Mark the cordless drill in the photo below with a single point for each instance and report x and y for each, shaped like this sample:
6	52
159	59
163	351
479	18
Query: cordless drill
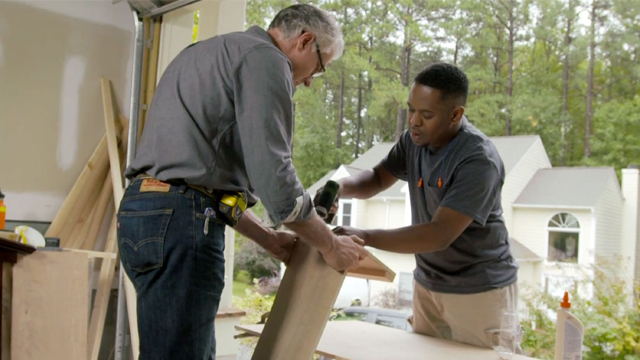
326	200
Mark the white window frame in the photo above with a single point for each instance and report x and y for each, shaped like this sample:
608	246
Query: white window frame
340	213
564	227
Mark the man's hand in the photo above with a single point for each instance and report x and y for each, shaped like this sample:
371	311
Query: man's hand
349	231
281	245
345	252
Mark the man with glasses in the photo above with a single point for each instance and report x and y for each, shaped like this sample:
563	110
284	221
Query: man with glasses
221	123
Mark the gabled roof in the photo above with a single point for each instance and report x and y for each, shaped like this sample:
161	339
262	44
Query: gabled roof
566	186
373	156
513	148
521	252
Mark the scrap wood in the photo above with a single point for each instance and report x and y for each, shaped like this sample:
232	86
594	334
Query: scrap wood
118	192
101	301
89	179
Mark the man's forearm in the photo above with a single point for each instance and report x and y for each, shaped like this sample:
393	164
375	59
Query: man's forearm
361	186
251	227
314	231
412	239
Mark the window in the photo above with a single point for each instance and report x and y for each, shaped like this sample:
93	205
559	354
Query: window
564	238
345	214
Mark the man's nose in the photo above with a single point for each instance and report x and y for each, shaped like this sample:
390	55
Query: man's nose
308	81
414	119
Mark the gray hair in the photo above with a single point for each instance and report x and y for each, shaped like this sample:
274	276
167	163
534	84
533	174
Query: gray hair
299	18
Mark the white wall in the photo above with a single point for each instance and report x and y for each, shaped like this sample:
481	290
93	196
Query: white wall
530	227
533	160
52	55
530	275
381	213
609	220
631	220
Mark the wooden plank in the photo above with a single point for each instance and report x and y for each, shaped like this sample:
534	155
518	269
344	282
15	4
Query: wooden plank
89	236
86	183
50	306
94	254
372	268
302	306
101	301
152	70
112	141
358	340
144	71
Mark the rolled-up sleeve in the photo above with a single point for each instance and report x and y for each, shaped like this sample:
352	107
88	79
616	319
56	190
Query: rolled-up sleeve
264	113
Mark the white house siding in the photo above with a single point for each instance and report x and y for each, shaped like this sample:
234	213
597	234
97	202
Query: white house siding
531	229
530	275
400	263
381	214
517	179
609	220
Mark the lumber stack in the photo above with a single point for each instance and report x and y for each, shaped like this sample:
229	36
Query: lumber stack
91	206
86	221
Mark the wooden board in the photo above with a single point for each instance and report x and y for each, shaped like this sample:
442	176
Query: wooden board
308	290
50	306
101	302
357	340
88	181
373	269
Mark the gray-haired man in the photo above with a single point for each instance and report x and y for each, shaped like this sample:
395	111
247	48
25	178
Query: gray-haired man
220	124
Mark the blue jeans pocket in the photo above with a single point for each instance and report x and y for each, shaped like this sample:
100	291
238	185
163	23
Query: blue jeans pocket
141	238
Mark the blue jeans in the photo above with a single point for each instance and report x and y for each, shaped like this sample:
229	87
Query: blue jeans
177	270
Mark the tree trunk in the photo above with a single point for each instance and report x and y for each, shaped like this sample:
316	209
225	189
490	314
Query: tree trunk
512	29
359	115
592	55
565	83
340	112
405	74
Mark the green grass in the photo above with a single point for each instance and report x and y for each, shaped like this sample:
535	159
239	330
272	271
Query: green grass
241	283
239	288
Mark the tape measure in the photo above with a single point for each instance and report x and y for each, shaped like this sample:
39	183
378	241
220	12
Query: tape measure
231	208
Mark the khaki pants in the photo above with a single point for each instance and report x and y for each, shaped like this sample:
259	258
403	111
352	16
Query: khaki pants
474	319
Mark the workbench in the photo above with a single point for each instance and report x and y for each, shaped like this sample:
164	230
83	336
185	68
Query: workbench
357	340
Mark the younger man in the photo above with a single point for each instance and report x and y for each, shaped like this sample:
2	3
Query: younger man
465	277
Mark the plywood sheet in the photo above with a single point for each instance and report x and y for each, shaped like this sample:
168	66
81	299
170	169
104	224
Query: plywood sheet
357	340
302	306
50	306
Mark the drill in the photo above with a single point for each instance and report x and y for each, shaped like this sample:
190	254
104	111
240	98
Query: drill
326	200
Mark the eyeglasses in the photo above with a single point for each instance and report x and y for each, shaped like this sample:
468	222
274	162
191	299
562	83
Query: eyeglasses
322	69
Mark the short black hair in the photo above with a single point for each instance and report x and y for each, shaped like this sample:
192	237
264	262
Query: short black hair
448	78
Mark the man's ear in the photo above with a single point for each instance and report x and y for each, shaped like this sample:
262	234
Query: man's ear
305	40
456	114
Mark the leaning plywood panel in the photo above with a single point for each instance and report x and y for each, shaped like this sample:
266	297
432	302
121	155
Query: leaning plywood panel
301	309
50	306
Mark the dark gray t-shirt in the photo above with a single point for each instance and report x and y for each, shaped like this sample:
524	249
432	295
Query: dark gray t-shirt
472	176
222	118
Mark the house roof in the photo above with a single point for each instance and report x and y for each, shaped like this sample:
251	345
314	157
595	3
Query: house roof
373	156
513	148
313	188
566	186
521	252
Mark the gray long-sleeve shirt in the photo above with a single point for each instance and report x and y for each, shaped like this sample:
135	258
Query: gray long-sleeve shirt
222	118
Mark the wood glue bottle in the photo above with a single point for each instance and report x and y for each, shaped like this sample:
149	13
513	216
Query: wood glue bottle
569	333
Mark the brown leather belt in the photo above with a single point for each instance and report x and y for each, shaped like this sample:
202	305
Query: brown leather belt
212	193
